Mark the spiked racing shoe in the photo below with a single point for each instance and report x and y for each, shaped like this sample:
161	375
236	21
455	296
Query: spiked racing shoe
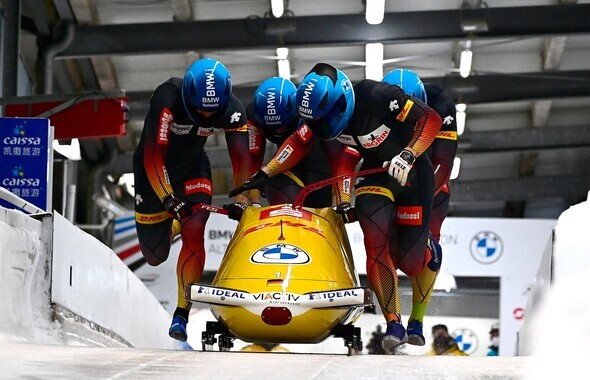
394	336
178	328
415	335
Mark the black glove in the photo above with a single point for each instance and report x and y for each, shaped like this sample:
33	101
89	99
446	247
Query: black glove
178	208
235	210
347	212
257	181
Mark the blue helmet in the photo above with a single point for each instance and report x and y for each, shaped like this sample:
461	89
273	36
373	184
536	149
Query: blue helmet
325	101
408	81
274	107
206	86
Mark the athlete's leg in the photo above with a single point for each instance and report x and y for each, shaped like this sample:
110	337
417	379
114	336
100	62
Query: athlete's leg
375	209
283	188
315	167
414	205
440	209
422	287
191	259
191	180
151	219
154	235
417	254
423	284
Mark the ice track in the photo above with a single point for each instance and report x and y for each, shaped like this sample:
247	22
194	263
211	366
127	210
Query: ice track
34	361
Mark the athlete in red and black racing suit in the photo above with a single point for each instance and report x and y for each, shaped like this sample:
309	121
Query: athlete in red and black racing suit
272	116
442	154
394	219
172	172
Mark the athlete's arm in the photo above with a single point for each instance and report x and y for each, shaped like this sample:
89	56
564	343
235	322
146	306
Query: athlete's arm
442	157
256	144
246	159
344	166
156	137
290	152
444	148
427	123
391	102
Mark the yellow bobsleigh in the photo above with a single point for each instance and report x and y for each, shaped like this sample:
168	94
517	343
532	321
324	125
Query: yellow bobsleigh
287	277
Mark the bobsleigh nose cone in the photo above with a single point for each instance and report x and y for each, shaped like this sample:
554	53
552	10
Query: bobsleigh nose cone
276	316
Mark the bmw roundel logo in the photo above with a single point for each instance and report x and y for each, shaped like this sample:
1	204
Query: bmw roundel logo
486	247
280	254
345	85
466	340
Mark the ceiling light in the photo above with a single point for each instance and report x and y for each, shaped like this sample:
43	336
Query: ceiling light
375	11
283	64
374	61
277	7
71	151
461	116
474	26
282	53
445	281
456	168
284	68
465	63
127	180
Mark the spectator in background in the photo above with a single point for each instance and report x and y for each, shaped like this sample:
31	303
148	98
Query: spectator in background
494	339
374	345
443	343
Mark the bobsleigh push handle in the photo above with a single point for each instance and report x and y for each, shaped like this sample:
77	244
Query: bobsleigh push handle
298	203
210	208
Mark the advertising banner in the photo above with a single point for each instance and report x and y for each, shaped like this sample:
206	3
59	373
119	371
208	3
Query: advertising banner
26	160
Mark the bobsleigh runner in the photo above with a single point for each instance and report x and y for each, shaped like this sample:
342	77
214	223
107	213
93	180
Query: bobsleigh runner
287	276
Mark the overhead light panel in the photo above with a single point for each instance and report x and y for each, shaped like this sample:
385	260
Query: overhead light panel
71	151
127	180
456	168
474	26
283	64
461	116
375	11
277	7
465	63
374	61
445	281
282	53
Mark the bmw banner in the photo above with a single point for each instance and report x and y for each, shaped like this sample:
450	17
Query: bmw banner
26	160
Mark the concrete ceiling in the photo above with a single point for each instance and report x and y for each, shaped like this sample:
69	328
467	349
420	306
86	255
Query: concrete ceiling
526	148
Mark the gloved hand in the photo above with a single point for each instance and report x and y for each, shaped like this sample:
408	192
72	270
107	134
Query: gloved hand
400	166
347	212
257	181
177	208
235	210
